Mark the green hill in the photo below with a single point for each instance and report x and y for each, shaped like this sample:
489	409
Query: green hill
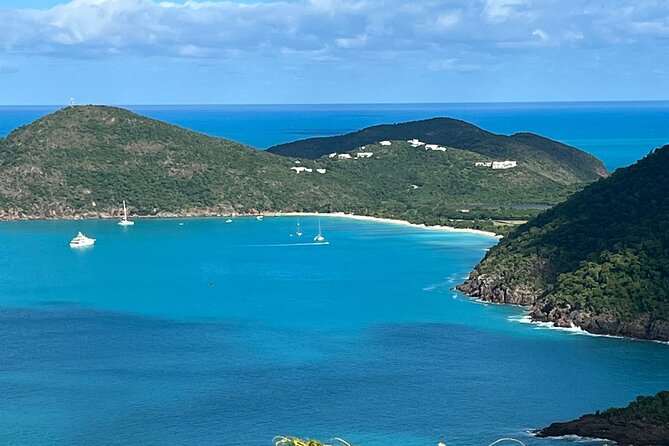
548	158
83	161
644	422
600	260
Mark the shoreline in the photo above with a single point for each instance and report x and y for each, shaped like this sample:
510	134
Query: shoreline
526	319
485	288
195	214
389	221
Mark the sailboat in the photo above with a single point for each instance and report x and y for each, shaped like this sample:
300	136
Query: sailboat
298	232
319	237
124	221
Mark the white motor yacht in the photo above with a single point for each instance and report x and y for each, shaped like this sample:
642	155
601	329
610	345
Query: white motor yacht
81	241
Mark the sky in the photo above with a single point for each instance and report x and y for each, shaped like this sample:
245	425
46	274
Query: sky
332	51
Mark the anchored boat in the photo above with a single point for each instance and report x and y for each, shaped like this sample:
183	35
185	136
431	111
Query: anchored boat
81	241
124	220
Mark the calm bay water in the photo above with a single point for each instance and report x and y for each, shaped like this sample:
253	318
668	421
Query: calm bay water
619	133
228	334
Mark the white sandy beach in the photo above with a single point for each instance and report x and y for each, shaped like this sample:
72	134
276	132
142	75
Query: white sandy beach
388	220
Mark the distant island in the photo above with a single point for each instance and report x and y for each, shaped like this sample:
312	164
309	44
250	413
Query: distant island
599	261
548	158
83	161
645	422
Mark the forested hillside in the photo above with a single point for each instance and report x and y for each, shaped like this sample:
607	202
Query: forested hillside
600	260
83	161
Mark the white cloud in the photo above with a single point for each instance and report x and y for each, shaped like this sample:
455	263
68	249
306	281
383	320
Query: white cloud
541	34
352	42
327	28
448	20
451	65
501	10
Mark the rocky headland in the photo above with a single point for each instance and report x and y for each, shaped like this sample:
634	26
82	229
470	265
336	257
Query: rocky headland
645	422
598	261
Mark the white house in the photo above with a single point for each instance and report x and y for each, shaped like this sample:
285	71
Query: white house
344	156
483	164
332	155
435	147
364	154
415	143
385	143
301	169
504	164
321	170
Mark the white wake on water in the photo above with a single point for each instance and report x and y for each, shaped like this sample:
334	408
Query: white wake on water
283	245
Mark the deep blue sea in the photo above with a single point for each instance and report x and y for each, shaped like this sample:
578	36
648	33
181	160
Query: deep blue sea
197	332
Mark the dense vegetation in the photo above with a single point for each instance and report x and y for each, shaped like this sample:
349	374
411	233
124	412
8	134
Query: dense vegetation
84	160
603	252
643	422
647	408
547	158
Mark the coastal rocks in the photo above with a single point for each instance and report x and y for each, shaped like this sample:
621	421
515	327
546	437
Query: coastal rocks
605	324
620	429
490	289
641	328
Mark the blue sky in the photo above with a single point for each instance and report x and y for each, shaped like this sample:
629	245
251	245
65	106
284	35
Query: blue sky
332	51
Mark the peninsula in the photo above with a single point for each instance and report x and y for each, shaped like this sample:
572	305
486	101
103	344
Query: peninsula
599	261
645	422
83	161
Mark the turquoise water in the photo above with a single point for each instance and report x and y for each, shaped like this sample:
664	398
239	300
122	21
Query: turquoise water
619	133
210	333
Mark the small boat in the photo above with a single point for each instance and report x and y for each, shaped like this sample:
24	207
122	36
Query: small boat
229	220
259	217
298	232
319	237
81	241
124	220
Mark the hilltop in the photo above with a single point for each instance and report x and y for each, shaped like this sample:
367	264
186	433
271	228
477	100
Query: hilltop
82	161
599	261
548	158
644	422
